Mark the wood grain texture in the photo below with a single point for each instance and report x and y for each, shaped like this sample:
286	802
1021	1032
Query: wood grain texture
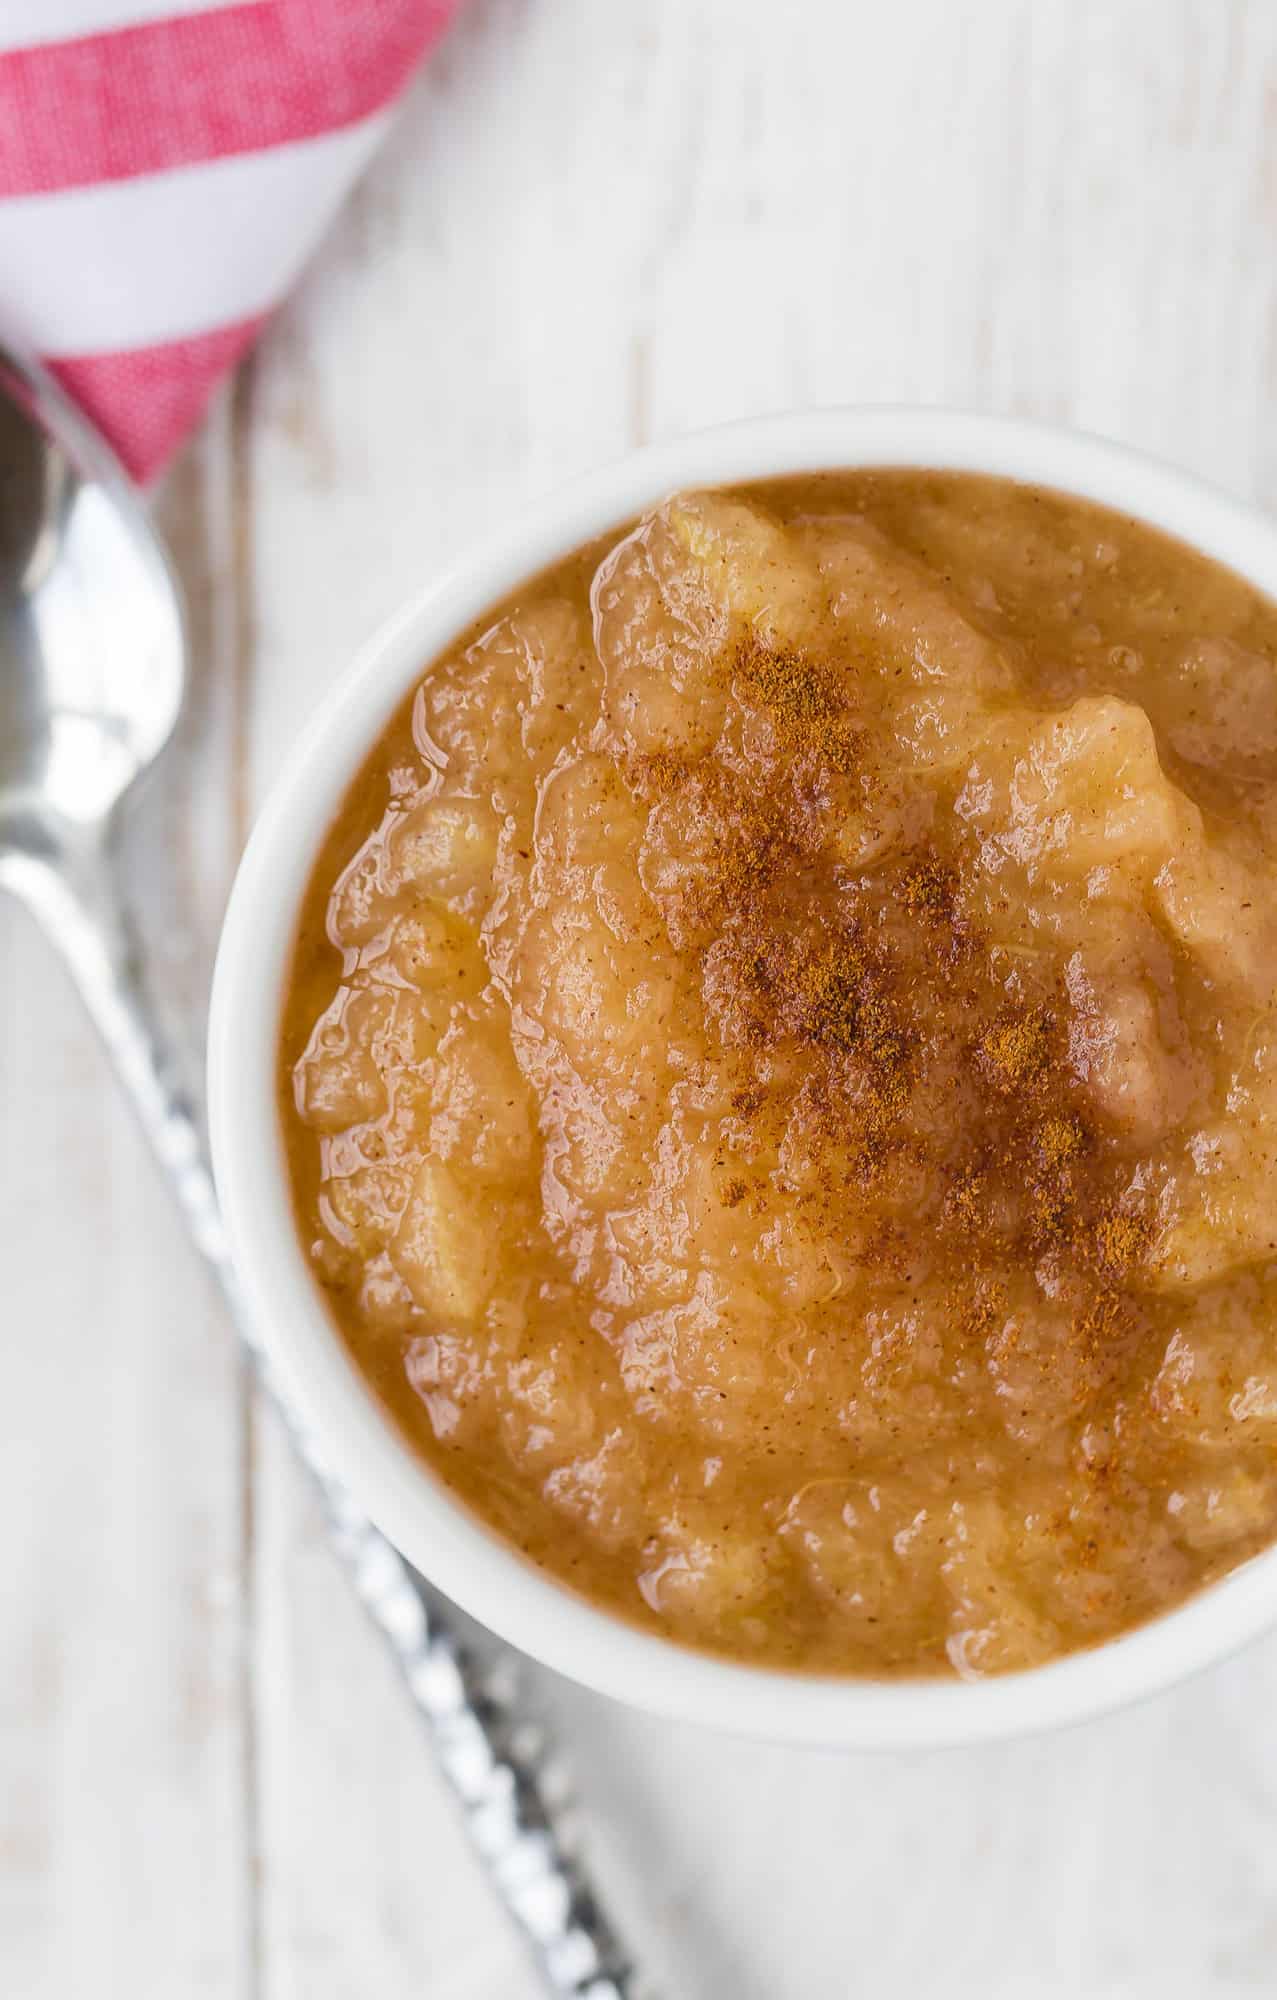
595	224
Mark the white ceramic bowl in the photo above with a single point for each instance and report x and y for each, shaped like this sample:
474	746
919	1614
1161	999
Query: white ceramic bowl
480	1572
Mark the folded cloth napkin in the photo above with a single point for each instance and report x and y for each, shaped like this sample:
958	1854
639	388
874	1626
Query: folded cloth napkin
166	167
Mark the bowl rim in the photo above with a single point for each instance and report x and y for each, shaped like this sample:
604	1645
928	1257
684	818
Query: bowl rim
468	1561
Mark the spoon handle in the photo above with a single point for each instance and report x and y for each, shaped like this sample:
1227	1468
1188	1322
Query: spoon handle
496	1760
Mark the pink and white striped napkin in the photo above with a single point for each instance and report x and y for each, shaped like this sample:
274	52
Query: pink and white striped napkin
166	167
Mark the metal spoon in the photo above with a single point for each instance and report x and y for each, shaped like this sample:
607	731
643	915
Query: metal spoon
92	668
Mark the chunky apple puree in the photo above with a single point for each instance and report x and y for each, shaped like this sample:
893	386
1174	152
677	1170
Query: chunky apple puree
780	1072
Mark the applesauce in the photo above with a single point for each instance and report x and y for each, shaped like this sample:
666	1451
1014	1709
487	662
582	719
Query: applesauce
779	1072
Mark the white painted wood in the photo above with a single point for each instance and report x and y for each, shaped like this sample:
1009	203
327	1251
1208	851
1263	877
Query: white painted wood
598	223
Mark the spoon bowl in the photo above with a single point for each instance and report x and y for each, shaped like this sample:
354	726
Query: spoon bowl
92	650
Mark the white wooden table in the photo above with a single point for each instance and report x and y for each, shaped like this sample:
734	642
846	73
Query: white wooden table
597	223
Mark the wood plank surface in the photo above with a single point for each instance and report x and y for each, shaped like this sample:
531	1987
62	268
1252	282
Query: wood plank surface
594	224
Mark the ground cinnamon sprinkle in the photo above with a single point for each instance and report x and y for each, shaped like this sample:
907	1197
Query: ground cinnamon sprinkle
979	1309
964	1198
655	772
1100	1323
826	1002
752	845
1015	1051
794	961
1119	1239
805	699
929	890
1058	1140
